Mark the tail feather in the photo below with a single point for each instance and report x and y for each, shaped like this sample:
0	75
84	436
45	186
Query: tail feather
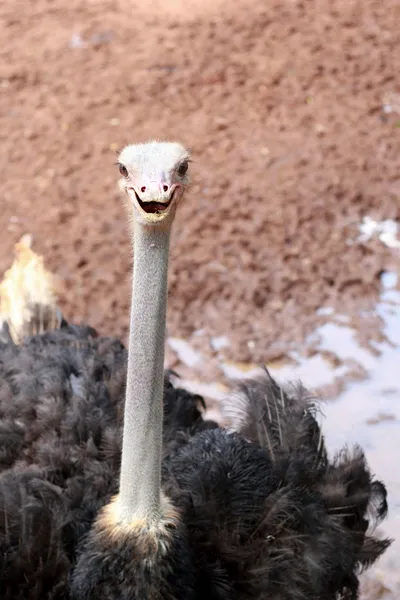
351	495
281	420
27	296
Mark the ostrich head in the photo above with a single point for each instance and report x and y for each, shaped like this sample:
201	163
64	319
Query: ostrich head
154	177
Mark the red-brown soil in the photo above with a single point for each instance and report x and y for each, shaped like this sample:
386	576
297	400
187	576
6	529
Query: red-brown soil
283	106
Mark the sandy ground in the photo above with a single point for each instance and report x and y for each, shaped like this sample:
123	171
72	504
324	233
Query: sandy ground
292	111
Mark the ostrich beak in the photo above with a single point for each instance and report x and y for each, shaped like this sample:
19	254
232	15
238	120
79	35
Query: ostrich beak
155	200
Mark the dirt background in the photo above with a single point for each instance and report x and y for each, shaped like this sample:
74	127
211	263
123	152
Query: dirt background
283	104
292	111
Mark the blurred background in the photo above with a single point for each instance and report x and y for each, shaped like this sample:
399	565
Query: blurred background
287	250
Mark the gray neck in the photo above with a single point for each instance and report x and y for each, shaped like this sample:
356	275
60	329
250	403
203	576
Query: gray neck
140	481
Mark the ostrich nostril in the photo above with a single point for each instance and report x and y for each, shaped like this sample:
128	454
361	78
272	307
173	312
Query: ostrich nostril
143	188
165	188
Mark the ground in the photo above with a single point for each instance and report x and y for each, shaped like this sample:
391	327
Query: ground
292	111
282	103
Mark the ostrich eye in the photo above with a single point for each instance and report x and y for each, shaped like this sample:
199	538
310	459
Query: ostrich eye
123	170
182	169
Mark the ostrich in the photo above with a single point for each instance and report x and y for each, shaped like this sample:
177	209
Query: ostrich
179	508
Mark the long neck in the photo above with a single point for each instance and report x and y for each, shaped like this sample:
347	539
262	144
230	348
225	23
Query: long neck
140	480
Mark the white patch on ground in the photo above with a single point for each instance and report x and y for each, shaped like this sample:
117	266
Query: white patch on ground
219	342
386	231
184	352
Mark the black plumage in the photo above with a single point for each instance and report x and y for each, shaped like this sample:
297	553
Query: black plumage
61	411
258	512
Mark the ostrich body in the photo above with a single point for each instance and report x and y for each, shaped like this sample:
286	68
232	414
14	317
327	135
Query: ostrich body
180	508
